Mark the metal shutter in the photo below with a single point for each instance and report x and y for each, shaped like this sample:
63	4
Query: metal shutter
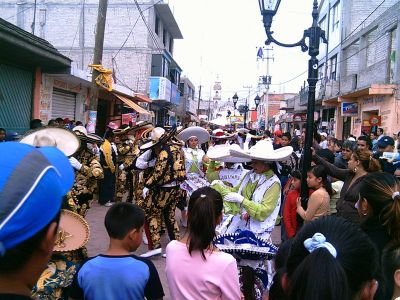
63	104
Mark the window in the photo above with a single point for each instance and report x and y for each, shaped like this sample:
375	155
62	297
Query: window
332	67
335	16
171	45
321	70
392	54
322	23
164	37
157	26
181	89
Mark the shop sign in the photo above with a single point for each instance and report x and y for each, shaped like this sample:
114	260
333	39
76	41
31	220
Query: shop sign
129	119
299	117
236	119
91	126
349	109
160	88
375	121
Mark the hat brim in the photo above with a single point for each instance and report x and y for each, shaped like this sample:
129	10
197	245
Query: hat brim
221	137
222	153
264	154
199	132
73	232
66	141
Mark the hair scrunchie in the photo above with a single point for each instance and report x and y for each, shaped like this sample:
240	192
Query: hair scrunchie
395	194
319	241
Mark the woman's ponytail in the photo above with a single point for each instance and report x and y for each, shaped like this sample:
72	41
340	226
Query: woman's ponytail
205	206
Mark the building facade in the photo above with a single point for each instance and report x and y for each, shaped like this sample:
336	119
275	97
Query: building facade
138	43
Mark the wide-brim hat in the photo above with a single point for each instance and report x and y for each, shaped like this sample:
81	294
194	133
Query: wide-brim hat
245	245
86	137
222	135
157	136
64	139
129	130
264	151
222	153
73	232
194	131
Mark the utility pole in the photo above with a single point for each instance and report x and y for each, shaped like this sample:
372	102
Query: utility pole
34	18
246	107
266	81
97	59
198	103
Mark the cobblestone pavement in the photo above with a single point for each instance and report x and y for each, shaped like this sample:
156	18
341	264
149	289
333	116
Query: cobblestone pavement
98	242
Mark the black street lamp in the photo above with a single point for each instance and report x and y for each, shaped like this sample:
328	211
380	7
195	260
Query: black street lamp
314	34
245	108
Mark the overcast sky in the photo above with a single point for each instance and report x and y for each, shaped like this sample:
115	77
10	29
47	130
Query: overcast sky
221	38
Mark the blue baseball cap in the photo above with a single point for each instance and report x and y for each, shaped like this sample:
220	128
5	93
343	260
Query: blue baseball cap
385	141
33	182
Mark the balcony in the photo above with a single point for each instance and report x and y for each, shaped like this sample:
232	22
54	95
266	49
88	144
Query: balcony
163	91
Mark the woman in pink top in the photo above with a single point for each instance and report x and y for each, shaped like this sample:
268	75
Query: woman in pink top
318	203
195	268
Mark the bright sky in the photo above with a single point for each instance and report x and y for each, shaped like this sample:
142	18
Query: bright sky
221	38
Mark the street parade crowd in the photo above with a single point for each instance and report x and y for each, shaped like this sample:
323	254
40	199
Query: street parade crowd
231	189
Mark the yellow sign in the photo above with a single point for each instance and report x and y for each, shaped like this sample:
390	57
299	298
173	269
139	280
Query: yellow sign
105	78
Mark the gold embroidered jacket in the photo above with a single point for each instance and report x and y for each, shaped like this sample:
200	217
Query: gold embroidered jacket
169	167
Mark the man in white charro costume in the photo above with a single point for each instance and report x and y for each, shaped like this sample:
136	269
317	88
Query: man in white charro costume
255	202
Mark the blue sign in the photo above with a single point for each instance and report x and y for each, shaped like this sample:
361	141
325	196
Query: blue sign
349	109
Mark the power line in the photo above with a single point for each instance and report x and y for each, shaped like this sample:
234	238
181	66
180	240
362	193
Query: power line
20	12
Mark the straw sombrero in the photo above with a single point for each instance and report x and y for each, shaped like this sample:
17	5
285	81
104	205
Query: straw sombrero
222	153
264	151
73	232
129	130
154	138
194	131
84	136
64	139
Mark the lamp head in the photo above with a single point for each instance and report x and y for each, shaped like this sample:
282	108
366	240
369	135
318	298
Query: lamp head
257	100
235	99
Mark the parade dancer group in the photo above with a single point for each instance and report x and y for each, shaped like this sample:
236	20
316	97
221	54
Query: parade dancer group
229	188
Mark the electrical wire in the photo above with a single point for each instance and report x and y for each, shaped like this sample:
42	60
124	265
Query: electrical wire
20	12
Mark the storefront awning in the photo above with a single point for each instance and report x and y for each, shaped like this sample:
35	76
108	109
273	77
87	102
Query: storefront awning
132	105
142	98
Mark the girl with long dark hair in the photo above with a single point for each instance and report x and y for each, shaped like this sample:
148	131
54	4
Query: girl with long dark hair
195	268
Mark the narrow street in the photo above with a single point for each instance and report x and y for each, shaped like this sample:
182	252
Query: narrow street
99	241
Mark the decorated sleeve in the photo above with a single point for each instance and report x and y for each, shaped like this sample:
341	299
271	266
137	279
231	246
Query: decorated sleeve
160	169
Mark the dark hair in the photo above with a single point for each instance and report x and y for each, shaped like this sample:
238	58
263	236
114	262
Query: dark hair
352	146
205	206
109	134
380	129
326	154
35	123
276	291
288	135
390	263
296	174
320	171
367	140
319	275
335	141
369	163
3	130
52	122
16	258
378	189
78	123
123	217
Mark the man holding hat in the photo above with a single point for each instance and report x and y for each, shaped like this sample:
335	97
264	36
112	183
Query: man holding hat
29	213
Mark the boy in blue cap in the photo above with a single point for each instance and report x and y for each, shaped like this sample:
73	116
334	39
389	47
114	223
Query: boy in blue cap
33	182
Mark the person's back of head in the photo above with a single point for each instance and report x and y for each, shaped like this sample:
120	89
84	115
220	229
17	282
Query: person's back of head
331	258
391	269
35	123
125	220
32	186
204	214
368	163
380	195
52	123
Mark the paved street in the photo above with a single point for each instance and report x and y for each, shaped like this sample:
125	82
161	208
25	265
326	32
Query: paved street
99	241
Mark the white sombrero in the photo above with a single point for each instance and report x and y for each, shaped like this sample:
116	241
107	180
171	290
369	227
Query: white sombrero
194	131
264	151
64	139
155	136
222	153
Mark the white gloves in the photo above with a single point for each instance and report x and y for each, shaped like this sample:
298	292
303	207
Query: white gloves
234	197
248	138
219	182
121	167
75	163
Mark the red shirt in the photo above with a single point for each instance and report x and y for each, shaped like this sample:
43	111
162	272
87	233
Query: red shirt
290	213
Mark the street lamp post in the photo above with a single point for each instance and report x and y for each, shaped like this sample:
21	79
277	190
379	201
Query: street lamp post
314	34
245	109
